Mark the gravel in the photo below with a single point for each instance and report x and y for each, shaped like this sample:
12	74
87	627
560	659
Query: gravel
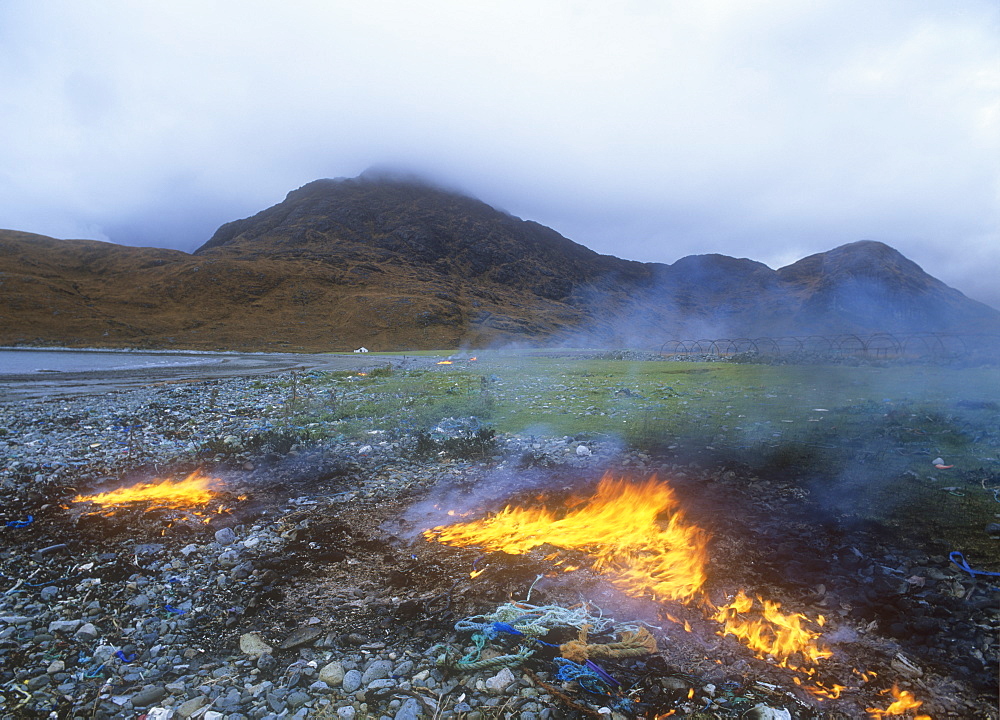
115	632
161	626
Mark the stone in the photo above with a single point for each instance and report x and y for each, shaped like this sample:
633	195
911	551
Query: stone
17	620
378	670
379	685
64	626
242	571
409	710
140	601
57	666
275	703
86	632
38	682
253	645
332	674
497	684
674	684
993	529
301	636
346	713
103	653
583	451
148	695
187	708
225	536
266	663
49	592
352	681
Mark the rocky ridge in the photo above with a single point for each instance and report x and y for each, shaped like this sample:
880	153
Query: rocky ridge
397	264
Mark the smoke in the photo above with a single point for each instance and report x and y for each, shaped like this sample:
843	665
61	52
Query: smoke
453	499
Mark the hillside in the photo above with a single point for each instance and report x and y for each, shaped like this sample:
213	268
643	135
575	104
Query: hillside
394	264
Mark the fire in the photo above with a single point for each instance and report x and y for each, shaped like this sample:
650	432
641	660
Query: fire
774	633
634	531
903	701
195	489
820	691
446	362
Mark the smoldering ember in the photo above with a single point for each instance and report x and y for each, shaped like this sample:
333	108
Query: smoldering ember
506	534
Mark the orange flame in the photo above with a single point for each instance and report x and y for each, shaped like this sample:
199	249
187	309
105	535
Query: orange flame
634	531
903	701
774	633
195	489
446	362
820	691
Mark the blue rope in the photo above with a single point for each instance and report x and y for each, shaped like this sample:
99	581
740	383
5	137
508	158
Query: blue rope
965	566
582	675
498	627
961	563
21	523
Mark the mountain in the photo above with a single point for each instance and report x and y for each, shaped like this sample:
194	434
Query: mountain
395	263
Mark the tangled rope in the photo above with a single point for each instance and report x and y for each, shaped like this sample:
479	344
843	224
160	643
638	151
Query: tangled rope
529	623
534	620
632	644
583	675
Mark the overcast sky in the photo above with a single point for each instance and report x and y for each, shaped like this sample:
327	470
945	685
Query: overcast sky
768	129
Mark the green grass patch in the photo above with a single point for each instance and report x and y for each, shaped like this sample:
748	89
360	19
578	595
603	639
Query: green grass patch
860	439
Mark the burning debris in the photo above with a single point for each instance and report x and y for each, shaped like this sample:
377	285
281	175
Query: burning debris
774	634
196	490
159	507
636	534
903	702
619	528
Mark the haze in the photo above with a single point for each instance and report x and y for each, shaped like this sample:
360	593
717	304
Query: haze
647	130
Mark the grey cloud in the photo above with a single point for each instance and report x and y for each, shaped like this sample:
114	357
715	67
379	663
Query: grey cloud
652	130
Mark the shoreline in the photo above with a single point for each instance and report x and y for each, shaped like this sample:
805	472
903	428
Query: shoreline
31	386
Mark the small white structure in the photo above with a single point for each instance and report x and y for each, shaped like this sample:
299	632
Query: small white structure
361	349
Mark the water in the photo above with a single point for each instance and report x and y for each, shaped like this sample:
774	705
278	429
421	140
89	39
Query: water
45	362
